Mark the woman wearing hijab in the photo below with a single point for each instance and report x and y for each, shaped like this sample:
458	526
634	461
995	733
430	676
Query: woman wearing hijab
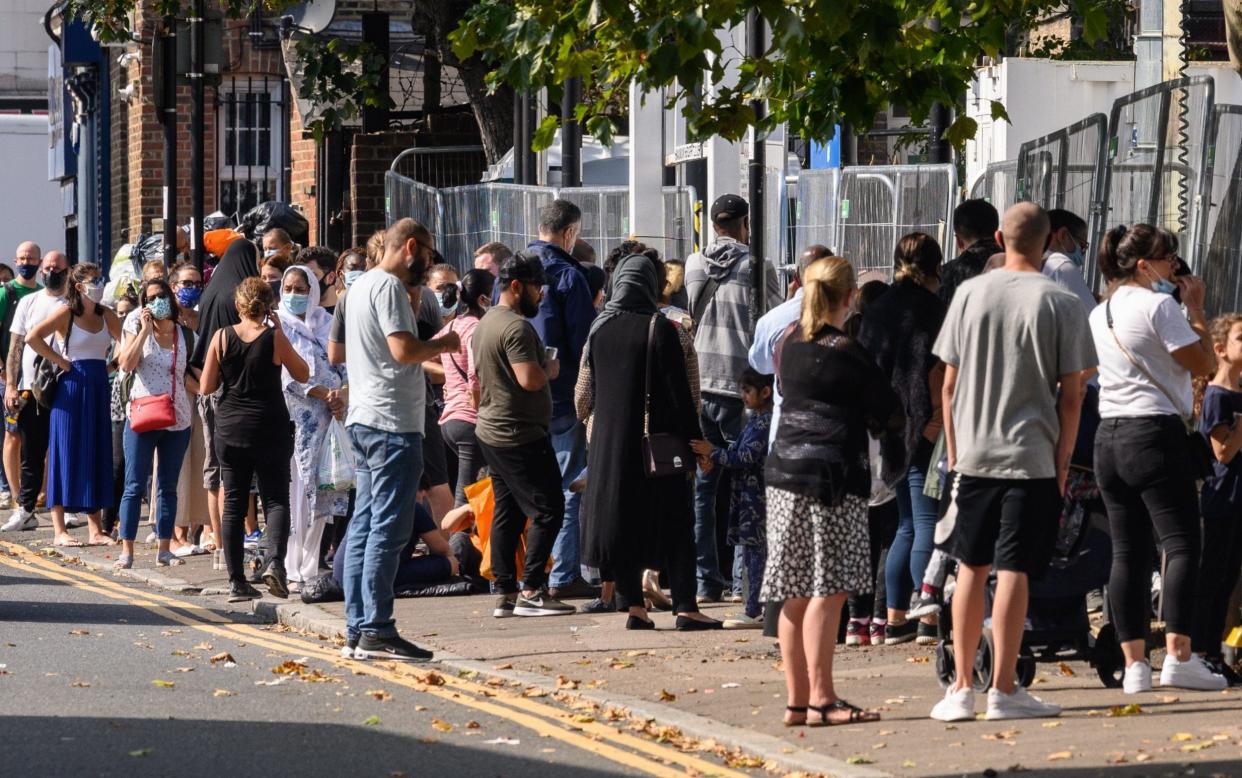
218	310
633	522
312	405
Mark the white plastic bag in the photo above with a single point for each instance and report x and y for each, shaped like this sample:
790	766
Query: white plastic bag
336	465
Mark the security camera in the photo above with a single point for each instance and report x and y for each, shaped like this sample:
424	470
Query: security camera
126	92
127	58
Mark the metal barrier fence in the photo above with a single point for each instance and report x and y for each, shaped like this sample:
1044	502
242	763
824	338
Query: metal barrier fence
998	184
465	217
816	209
1157	142
879	204
1220	224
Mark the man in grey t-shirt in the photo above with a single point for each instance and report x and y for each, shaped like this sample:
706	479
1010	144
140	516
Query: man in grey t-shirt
385	423
1009	339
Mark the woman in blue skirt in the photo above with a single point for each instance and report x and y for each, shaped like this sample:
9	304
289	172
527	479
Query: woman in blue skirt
79	454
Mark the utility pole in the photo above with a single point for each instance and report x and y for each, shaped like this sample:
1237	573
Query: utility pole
571	134
169	120
520	143
755	45
197	130
938	149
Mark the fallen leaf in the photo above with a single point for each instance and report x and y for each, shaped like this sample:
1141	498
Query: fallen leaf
1189	747
170	632
420	708
1067	671
584	719
442	726
273	682
430	678
79	632
858	760
183	670
503	741
223	656
531	691
223	693
730	685
565	683
1142	758
472	724
621	664
80	685
379	694
370	721
1182	737
142	752
1050	724
583	662
505	666
919	660
1057	756
638	653
1169	700
1132	709
203	647
163	684
909	764
469	675
667	696
181	652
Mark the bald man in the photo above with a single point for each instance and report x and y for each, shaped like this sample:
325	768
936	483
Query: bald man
809	254
1009	338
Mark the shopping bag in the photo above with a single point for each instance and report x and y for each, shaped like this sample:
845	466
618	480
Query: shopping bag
483	504
336	464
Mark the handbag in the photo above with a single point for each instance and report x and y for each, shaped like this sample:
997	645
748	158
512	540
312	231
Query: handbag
47	375
1199	451
157	411
664	453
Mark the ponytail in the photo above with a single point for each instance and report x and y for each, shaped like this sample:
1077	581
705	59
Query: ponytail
827	285
1124	246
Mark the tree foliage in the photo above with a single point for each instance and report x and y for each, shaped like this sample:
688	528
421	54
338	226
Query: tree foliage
827	61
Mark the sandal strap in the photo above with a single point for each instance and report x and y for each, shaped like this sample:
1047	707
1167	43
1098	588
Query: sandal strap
796	708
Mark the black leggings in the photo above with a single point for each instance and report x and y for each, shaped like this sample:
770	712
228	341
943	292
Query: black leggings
238	467
1218	575
882	528
460	439
1142	467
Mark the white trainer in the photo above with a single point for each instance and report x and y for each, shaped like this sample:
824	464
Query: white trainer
19	520
75	521
1191	674
957	705
1019	705
1137	678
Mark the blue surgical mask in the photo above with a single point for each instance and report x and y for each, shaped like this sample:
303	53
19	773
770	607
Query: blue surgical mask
295	304
350	276
160	308
1076	256
1162	286
188	298
270	253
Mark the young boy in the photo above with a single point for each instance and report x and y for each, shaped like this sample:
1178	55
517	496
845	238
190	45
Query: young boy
747	505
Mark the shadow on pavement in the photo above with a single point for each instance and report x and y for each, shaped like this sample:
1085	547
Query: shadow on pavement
69	745
1220	767
79	613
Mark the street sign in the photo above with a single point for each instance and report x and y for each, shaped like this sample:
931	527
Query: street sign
686	152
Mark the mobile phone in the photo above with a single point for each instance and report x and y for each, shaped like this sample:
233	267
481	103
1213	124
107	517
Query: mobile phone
550	353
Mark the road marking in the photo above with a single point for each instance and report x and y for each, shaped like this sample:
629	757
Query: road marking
497	701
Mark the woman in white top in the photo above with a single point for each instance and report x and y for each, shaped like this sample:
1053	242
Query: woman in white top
79	455
1148	354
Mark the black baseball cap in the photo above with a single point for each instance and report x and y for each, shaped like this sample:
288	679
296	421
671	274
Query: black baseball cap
729	207
524	266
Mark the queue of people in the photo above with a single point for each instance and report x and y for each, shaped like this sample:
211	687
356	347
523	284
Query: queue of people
875	439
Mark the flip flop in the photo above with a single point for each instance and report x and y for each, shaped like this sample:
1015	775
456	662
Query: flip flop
73	543
101	543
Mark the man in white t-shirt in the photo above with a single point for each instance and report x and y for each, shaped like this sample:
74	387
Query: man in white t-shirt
1066	255
32	421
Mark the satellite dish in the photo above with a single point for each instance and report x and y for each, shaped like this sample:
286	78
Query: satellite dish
312	16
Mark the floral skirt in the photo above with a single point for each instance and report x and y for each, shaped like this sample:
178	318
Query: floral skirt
815	550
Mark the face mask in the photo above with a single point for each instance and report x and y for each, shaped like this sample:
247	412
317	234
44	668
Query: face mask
295	304
448	300
189	297
275	289
54	280
160	308
323	286
351	276
93	291
27	271
270	253
1161	286
1076	256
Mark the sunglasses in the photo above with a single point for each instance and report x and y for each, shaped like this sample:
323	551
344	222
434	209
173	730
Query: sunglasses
187	284
160	296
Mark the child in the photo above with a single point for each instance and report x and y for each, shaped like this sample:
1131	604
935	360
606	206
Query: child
747	504
1220	499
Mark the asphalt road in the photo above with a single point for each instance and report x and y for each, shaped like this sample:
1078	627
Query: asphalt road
109	682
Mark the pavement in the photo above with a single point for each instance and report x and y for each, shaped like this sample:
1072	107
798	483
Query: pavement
725	691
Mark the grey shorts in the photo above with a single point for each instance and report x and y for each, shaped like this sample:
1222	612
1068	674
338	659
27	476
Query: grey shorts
211	462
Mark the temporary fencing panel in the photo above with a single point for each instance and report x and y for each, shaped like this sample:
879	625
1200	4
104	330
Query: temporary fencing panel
1220	224
881	203
998	185
1157	142
816	209
407	197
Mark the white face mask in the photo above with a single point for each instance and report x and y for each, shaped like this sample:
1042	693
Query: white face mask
93	292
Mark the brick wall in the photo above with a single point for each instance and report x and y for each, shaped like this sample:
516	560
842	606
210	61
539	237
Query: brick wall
370	157
305	169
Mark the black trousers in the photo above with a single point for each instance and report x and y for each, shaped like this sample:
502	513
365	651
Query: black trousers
678	564
238	467
112	513
1142	467
526	482
460	439
881	528
1218	575
32	422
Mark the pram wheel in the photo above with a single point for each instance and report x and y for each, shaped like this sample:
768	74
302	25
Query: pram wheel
983	662
1110	663
945	671
1026	670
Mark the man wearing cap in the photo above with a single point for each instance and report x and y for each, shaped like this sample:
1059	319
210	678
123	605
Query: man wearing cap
719	281
515	415
563	322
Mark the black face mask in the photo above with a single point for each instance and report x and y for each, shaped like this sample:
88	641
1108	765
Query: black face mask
55	279
275	289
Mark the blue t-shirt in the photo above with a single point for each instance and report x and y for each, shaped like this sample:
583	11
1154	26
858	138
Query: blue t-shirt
1222	493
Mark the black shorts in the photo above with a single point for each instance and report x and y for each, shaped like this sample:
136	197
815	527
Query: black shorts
1009	523
435	456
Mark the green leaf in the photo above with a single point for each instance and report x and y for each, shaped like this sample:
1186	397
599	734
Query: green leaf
546	132
999	112
142	752
962	130
370	721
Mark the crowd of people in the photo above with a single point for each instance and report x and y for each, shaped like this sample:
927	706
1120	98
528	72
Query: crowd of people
655	434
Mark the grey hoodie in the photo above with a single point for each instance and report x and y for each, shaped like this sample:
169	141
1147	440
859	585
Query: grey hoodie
723	336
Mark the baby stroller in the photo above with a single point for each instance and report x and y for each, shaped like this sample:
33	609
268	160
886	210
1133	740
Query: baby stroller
1058	626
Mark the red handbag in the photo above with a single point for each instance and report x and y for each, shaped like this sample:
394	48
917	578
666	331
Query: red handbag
159	411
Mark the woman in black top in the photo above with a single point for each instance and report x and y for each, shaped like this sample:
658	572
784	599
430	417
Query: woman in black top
253	434
818	483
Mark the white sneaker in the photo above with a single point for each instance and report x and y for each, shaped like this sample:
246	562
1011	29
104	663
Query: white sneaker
1191	674
742	621
20	520
1019	705
1137	678
75	521
957	705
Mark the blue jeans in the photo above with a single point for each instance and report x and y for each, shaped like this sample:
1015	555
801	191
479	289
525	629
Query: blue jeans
387	465
140	451
721	420
569	443
912	546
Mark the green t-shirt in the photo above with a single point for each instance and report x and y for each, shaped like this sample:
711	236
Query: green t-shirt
10	295
508	414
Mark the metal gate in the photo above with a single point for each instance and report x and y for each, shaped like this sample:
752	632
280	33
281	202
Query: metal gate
1220	223
879	204
998	185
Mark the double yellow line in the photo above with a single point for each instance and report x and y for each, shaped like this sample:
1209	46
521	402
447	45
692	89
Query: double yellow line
574	729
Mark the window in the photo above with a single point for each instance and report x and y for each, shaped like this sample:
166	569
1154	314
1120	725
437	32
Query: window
250	128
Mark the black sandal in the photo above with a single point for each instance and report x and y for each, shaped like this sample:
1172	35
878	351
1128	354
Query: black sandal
796	709
856	715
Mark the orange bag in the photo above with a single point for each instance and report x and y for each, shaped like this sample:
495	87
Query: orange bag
216	241
483	504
